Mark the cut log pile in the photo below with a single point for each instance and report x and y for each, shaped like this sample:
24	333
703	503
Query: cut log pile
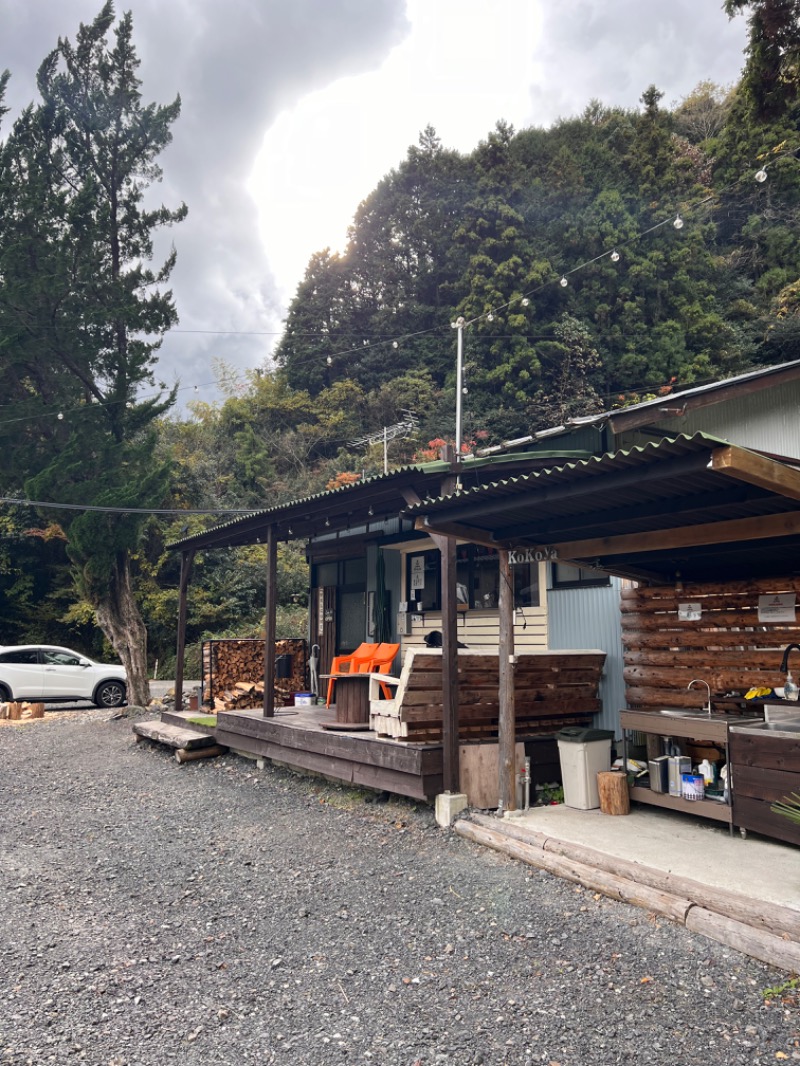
552	690
16	712
728	645
233	673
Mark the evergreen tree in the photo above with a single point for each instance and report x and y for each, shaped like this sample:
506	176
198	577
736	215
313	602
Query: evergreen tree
82	313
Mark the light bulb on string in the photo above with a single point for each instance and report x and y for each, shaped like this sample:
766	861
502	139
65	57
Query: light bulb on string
615	256
761	175
329	361
490	317
525	301
563	283
60	416
395	344
678	223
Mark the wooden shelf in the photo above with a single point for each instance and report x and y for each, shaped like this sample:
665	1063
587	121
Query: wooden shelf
713	809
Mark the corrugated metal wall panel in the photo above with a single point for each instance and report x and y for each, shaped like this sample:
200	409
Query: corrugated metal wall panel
590	618
767	421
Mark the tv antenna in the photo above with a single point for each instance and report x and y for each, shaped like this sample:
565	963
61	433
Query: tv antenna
400	430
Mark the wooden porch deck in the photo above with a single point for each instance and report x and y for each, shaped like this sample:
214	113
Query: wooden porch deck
295	737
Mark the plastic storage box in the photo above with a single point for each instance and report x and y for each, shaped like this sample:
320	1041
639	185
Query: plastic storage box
583	753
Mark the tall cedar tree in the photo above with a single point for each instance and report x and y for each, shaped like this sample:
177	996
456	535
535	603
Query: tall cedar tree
82	314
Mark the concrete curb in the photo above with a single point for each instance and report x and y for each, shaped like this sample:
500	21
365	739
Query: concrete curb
770	934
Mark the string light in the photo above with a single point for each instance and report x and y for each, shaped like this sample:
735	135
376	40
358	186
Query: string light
525	301
395	344
60	416
678	223
490	317
615	256
761	175
563	283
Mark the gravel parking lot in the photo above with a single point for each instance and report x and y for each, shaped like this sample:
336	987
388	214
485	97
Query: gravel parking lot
214	913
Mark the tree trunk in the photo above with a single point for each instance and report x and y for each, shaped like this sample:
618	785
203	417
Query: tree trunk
119	618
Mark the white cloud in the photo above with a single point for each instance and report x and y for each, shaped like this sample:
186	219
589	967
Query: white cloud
464	65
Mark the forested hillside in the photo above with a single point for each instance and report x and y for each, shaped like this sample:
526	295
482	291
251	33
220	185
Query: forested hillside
561	247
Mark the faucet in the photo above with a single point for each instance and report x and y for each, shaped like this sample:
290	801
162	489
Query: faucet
784	667
700	681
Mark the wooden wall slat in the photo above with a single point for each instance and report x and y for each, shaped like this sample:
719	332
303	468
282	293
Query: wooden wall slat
729	647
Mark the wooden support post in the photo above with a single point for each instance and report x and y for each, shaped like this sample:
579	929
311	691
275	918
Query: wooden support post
187	561
269	623
451	776
506	730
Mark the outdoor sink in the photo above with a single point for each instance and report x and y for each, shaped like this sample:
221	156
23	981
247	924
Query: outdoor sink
683	712
788	729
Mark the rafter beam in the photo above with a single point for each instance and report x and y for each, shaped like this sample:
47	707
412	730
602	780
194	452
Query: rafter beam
457	531
740	529
757	470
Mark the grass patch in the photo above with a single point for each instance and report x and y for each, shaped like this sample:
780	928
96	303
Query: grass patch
209	720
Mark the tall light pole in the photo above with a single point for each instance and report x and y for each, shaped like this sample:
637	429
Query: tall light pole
459	324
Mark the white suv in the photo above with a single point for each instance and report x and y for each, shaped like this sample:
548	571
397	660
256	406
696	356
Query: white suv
58	675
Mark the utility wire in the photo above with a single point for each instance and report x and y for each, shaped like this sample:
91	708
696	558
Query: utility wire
17	502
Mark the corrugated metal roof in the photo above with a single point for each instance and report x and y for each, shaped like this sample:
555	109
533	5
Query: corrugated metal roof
370	498
618	511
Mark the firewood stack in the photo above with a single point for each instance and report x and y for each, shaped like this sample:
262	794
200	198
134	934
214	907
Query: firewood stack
233	673
16	712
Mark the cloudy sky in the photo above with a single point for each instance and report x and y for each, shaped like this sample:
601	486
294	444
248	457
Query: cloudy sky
294	109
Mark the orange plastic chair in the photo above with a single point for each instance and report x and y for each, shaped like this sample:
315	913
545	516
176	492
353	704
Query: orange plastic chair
381	663
350	664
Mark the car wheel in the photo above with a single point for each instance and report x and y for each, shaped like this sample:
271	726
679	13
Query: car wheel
110	694
5	695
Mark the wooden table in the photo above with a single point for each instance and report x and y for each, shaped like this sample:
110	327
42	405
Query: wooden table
352	698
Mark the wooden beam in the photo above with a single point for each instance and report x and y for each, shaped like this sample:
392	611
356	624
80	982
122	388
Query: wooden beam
757	470
449	668
187	560
451	773
269	623
779	525
506	727
456	531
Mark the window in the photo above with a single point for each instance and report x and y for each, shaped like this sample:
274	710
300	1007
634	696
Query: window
574	577
59	657
424	581
28	656
477	580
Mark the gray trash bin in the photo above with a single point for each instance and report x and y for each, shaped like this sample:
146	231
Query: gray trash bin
583	754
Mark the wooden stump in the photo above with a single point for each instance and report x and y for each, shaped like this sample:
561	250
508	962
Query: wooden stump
612	787
14	711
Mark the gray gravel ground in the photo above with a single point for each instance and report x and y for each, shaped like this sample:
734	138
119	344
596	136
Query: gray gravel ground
213	913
